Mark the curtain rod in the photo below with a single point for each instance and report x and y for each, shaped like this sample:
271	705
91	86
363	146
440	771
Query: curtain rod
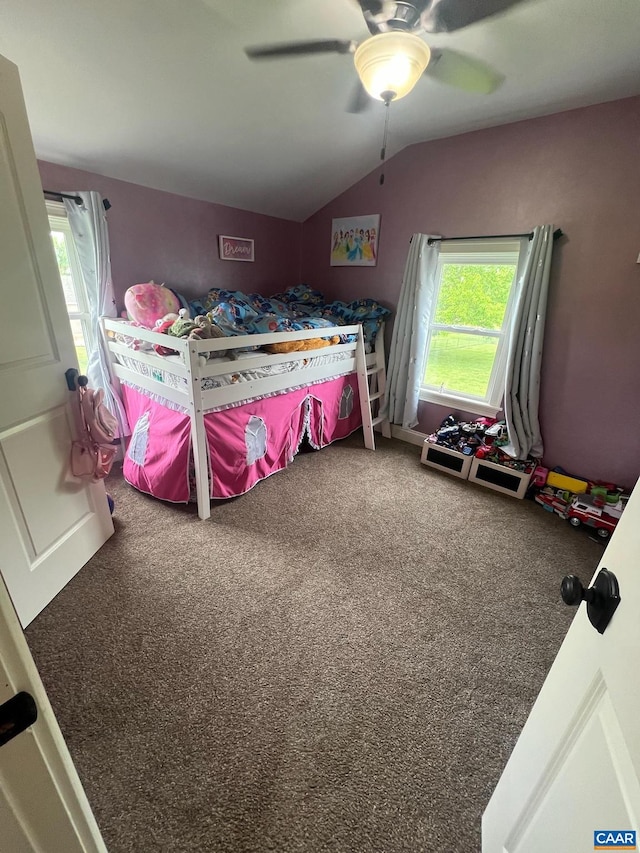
529	235
59	196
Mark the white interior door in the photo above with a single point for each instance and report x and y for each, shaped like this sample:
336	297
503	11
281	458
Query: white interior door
49	527
43	806
575	769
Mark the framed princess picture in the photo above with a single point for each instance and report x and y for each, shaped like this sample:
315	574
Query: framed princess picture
354	241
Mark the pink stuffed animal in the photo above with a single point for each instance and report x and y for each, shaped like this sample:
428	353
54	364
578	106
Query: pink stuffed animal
162	327
147	303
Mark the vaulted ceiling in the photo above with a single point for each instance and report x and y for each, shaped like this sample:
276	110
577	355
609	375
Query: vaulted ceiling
160	92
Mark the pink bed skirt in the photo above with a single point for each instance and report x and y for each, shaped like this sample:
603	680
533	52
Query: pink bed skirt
245	444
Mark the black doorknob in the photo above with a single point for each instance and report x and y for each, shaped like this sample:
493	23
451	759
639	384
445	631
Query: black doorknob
571	589
602	598
573	592
16	715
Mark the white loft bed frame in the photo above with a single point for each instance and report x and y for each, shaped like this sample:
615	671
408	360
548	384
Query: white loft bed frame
370	368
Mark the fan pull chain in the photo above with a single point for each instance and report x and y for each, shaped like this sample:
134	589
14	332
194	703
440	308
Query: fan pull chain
383	150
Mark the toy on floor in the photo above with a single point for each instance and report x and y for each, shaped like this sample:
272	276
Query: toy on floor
539	478
554	500
569	484
483	438
594	511
579	500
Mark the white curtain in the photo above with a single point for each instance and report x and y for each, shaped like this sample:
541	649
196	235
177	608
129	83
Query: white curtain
526	336
88	224
406	359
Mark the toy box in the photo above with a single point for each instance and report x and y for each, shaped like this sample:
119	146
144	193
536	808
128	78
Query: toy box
445	459
509	481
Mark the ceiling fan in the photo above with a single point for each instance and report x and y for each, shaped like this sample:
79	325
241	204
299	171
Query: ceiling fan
393	58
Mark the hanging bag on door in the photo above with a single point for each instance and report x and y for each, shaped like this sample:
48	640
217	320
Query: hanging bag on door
93	453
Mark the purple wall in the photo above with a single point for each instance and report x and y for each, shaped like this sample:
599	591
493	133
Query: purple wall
174	240
579	170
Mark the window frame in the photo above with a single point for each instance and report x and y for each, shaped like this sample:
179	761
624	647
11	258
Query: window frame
482	253
58	221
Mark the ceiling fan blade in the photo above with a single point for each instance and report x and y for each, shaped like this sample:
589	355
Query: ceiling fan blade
360	100
445	16
462	71
300	48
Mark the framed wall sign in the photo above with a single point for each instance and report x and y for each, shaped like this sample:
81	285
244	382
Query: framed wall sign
235	248
354	241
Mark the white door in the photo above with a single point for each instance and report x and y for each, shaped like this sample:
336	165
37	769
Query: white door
49	527
575	769
42	804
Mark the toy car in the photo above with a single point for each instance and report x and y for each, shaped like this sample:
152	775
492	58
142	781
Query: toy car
594	512
553	501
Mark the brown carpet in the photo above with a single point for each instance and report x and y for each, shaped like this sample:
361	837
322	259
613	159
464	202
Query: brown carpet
340	660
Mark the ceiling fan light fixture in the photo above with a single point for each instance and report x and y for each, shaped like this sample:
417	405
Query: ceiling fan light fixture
390	64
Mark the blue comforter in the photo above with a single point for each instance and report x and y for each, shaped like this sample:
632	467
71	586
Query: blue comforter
296	309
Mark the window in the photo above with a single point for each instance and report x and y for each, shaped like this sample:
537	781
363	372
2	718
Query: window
466	345
75	294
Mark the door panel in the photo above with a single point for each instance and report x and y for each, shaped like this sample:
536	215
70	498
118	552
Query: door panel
42	804
49	525
28	451
570	782
576	766
22	284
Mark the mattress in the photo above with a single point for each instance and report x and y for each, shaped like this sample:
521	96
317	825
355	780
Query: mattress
295	367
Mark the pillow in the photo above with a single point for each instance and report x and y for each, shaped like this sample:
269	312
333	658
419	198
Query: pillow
146	303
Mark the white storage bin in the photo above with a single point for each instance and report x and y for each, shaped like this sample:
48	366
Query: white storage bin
444	459
499	477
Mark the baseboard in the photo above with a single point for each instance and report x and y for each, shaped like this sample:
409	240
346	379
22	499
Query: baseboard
411	436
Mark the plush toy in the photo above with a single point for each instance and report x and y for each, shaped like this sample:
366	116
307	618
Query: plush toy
182	328
302	346
216	331
199	329
206	330
162	327
147	303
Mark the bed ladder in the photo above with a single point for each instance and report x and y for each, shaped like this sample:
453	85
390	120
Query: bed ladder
372	383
